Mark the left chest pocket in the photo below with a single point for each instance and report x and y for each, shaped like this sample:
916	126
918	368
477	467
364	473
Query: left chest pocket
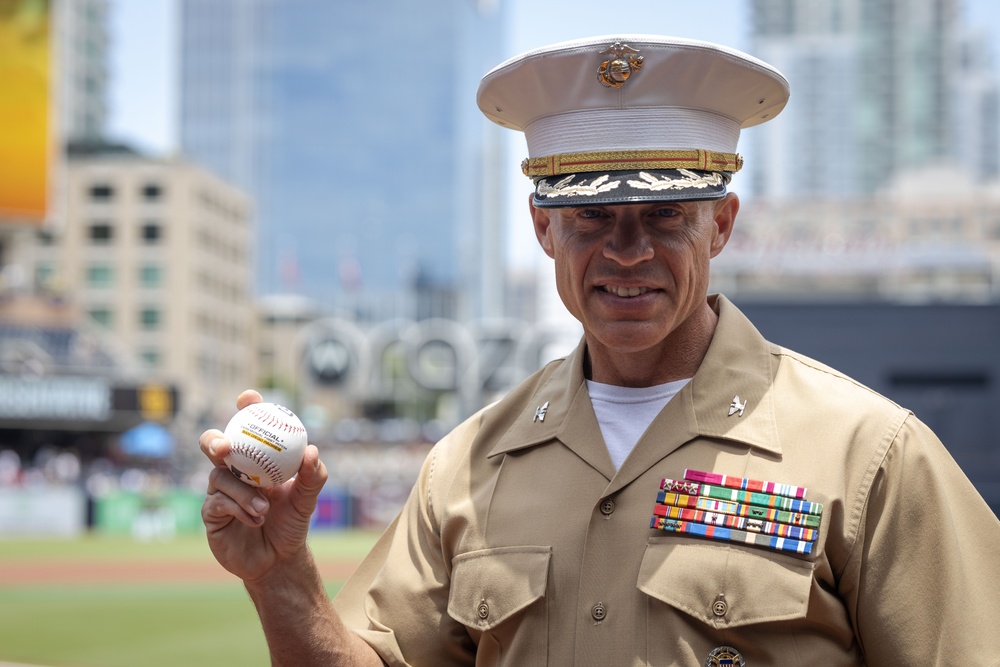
499	595
723	586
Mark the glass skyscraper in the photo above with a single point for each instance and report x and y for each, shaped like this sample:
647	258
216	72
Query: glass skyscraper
879	87
355	128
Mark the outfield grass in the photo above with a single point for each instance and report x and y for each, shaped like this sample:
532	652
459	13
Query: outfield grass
129	624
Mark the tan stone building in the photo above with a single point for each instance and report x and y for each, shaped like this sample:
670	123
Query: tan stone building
157	254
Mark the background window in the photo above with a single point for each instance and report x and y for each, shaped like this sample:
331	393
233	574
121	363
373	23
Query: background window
100	275
152	357
102	316
102	192
152	192
150	318
152	233
150	275
45	274
101	233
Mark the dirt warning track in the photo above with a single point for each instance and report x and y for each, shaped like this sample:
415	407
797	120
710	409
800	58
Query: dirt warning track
33	572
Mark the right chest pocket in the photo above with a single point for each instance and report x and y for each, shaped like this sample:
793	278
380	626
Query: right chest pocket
766	605
499	596
754	589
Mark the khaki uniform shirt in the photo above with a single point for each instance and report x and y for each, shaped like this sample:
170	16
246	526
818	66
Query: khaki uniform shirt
521	545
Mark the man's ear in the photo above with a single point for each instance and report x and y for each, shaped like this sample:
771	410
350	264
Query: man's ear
542	219
725	219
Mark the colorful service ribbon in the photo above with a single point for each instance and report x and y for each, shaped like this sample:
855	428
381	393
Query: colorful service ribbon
744	484
732	535
746	497
759	513
734	521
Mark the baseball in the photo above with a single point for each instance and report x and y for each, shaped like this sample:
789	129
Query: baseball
267	443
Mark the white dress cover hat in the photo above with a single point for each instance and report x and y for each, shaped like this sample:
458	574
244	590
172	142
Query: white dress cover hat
631	118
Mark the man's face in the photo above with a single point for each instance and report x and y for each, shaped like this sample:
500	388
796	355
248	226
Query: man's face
633	274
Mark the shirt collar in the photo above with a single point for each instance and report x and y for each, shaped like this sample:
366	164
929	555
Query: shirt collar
728	398
731	392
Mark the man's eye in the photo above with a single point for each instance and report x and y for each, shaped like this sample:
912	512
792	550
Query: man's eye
591	213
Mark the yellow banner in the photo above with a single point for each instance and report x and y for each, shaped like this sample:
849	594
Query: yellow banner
25	84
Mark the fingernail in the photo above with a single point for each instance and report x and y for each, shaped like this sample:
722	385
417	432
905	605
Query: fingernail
213	446
258	504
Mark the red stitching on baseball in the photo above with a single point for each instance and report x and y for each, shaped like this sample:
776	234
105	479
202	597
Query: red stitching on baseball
274	422
268	466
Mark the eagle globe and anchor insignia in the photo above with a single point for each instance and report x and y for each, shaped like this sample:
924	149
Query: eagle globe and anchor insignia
725	656
614	72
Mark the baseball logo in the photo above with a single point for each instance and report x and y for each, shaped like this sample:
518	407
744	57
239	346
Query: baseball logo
267	442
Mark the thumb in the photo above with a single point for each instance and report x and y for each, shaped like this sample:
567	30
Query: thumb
310	479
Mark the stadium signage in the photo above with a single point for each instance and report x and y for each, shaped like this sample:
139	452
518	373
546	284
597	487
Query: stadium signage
74	399
67	398
436	354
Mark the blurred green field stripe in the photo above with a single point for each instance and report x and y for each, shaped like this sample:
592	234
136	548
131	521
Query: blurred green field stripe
129	622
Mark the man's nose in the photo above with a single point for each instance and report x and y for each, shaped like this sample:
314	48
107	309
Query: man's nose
628	243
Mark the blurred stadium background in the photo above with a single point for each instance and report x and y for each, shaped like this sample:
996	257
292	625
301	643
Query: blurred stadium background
386	297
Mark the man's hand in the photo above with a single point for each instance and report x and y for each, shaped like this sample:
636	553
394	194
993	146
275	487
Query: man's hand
250	529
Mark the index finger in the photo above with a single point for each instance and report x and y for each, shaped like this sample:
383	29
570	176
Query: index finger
214	445
248	397
213	442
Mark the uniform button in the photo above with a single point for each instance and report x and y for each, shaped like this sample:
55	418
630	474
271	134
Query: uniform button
484	610
607	507
599	612
720	606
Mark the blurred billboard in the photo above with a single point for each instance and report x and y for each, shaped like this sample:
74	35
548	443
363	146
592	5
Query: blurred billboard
25	106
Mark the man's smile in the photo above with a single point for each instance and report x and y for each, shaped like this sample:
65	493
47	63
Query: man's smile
625	292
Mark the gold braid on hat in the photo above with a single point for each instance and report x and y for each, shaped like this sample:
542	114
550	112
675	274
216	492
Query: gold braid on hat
626	160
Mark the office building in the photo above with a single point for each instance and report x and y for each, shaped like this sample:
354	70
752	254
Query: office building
354	128
879	87
82	45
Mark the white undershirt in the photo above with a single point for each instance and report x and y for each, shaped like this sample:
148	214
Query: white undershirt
624	413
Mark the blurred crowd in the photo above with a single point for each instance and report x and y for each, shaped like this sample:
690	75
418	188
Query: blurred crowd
371	476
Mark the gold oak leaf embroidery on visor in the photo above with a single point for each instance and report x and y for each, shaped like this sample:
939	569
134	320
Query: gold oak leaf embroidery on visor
564	189
693	180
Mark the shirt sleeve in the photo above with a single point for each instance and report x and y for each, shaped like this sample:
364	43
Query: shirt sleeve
925	573
397	600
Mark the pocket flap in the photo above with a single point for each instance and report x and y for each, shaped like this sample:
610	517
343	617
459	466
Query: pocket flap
691	577
491	585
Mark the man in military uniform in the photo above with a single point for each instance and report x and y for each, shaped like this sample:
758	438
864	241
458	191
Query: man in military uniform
677	491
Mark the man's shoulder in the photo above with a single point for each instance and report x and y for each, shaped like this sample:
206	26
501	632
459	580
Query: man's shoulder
798	379
812	377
